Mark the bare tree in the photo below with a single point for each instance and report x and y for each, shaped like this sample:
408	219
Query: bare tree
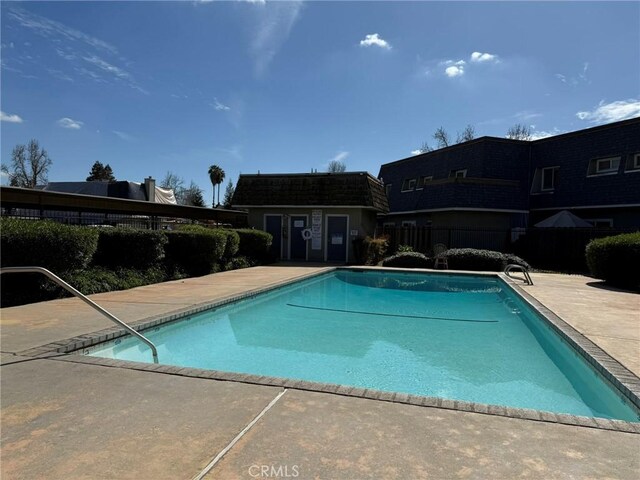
519	131
29	165
172	182
336	166
441	137
425	148
469	133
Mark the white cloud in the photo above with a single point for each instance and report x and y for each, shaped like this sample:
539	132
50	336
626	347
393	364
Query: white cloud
612	112
106	66
527	115
220	106
373	39
67	122
51	29
583	75
339	157
76	48
454	68
7	117
573	80
479	57
123	135
454	71
561	77
275	21
416	152
538	134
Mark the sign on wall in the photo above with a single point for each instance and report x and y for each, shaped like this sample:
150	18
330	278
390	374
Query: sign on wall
316	229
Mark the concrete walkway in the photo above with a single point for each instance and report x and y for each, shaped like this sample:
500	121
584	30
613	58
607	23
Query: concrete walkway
71	420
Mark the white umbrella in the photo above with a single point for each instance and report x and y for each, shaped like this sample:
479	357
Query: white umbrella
563	219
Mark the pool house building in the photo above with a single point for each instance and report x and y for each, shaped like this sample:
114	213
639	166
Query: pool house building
312	216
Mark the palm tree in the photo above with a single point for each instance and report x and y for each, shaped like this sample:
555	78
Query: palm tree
216	174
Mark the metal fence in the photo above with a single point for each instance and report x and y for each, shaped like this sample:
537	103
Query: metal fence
561	249
74	209
422	239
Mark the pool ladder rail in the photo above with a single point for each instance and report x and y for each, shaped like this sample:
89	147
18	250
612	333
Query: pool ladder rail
86	300
519	268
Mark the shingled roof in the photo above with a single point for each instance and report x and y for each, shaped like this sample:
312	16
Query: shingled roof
352	189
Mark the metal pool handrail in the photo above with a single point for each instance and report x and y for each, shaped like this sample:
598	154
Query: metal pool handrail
86	300
512	266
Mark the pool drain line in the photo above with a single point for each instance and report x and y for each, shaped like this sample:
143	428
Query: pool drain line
393	314
218	457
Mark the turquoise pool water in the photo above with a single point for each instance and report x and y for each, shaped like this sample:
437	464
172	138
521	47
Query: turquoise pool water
458	337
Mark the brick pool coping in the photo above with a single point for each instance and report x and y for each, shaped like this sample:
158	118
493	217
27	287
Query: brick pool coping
627	383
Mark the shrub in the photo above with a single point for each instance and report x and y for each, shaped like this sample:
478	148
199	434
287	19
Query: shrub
99	279
237	263
408	260
616	259
232	245
41	243
254	243
515	260
129	248
47	244
404	248
374	249
480	260
193	252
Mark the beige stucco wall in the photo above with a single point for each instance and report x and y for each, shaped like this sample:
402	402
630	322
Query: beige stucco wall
361	223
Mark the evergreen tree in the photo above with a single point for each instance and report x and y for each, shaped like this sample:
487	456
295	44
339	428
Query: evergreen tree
228	194
101	173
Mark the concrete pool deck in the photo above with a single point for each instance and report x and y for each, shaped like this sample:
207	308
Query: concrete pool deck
63	418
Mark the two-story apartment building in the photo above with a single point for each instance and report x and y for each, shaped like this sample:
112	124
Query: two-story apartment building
500	183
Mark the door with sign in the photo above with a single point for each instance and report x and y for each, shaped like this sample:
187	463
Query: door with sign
337	228
297	243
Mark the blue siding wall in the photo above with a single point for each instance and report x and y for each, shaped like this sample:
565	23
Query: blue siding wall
573	154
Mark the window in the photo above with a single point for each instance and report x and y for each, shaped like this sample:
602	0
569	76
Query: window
422	181
633	163
387	189
458	173
548	179
601	222
408	223
408	184
544	180
603	166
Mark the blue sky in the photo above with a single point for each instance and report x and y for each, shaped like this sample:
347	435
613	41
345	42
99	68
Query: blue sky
151	87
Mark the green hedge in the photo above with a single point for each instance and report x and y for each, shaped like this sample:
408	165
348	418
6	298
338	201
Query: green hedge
480	260
42	243
254	243
233	244
408	259
193	253
129	248
616	259
98	279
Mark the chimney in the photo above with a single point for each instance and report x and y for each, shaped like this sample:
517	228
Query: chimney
150	189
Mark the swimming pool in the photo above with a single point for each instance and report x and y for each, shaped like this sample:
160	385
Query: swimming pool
459	337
